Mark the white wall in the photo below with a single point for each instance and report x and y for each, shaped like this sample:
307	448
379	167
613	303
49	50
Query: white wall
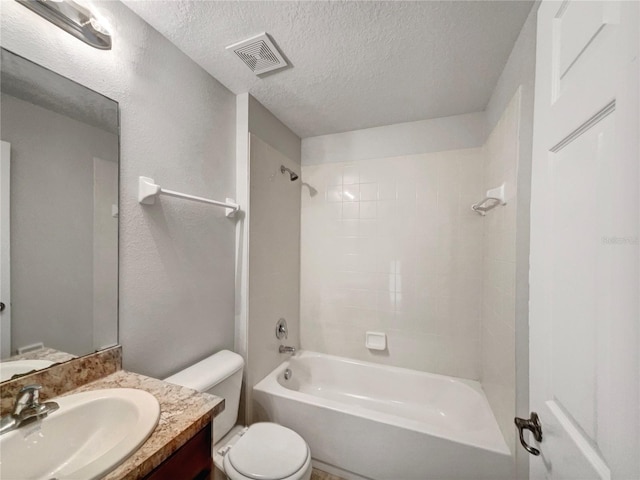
519	70
105	250
519	73
268	241
52	159
392	245
270	129
384	261
241	341
177	126
434	135
274	260
498	363
505	368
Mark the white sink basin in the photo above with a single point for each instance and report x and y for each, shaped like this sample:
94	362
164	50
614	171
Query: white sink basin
16	367
91	434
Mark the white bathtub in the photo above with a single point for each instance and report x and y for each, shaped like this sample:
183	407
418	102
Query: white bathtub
367	420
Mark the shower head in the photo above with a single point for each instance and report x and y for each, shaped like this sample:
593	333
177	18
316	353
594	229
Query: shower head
293	175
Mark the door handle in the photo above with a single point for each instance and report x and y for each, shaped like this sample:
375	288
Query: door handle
2	305
533	425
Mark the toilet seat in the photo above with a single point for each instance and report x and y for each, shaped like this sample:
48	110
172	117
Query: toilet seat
268	451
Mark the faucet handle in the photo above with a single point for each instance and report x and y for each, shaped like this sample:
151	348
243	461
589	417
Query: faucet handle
27	396
28	406
281	329
28	388
33	390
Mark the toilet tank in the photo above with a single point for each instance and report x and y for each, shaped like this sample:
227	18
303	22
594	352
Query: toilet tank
220	375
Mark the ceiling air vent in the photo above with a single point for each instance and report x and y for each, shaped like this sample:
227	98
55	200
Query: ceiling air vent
259	54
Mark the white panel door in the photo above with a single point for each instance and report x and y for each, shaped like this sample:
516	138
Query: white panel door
584	335
5	267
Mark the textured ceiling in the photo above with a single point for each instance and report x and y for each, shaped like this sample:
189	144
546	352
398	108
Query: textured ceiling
355	64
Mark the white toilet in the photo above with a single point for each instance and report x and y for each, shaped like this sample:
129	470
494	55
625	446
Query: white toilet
264	451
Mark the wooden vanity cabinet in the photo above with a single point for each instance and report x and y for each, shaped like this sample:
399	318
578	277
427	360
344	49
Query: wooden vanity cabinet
192	461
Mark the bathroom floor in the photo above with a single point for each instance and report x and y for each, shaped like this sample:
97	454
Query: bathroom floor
315	475
320	475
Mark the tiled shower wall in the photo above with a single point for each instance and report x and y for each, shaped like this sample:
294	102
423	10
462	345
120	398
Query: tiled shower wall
499	268
392	245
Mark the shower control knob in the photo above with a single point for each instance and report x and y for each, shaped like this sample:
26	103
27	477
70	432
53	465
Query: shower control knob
281	329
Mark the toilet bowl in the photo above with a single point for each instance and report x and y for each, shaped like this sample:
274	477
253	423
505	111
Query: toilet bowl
265	451
262	451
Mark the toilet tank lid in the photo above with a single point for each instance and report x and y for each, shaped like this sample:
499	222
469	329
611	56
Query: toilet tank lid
208	372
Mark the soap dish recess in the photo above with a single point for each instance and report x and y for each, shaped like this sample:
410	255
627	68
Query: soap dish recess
376	340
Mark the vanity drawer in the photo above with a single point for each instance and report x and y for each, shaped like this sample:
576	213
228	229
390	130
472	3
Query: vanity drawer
192	461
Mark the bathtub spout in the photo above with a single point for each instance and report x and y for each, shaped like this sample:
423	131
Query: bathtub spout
285	349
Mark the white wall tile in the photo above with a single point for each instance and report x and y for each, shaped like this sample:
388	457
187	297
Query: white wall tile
386	188
499	256
350	211
401	230
367	228
334	193
419	264
350	175
368	191
351	193
368	210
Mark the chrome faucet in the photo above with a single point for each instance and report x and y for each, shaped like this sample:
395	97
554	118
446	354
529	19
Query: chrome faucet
285	349
27	407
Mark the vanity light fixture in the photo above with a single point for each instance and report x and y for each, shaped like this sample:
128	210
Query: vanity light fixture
72	18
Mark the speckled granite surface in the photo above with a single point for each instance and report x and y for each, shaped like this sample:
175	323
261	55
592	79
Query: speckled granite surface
51	354
59	379
183	413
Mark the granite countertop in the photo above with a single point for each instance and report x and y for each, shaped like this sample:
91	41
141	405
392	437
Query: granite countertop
55	356
183	413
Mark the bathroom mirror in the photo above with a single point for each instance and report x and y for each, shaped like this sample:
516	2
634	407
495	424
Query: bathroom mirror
58	218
